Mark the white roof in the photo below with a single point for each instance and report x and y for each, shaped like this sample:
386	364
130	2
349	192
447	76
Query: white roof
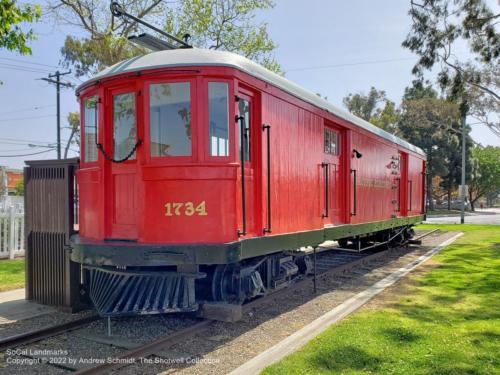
203	57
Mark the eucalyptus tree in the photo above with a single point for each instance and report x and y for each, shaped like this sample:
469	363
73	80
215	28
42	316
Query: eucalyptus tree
441	29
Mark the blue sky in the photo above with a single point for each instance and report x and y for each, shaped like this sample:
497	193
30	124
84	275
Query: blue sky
332	47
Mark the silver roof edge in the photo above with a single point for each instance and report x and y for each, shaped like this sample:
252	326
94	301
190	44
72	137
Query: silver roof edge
204	57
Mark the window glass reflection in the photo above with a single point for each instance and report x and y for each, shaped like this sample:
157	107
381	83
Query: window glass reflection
218	112
170	119
124	125
90	129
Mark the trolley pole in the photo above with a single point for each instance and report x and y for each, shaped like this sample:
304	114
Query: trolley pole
57	75
463	111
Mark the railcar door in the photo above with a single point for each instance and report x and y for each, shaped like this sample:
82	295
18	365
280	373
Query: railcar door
399	171
122	177
333	172
249	141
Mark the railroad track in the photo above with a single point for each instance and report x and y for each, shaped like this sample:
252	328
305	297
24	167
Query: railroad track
44	333
328	264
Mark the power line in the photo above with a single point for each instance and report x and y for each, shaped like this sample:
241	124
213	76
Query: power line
25	118
26	109
34	153
349	64
57	81
23	68
23	140
28	62
21	149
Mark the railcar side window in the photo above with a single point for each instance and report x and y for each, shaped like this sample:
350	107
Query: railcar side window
90	129
332	142
245	123
218	114
170	119
124	125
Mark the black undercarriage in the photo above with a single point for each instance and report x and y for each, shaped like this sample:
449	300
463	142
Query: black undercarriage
132	290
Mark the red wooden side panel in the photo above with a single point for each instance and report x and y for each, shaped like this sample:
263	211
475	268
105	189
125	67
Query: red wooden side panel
91	203
296	152
125	199
212	186
374	193
297	178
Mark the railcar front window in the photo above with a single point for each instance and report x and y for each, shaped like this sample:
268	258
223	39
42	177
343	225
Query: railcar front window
124	125
90	117
170	119
218	113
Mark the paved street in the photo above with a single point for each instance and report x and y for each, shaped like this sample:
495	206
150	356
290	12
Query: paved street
489	216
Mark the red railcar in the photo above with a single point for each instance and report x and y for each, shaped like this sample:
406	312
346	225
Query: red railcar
201	171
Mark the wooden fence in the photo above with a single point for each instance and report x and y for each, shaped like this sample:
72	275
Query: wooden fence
11	232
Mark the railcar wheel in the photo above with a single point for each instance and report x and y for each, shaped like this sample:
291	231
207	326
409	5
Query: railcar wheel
234	283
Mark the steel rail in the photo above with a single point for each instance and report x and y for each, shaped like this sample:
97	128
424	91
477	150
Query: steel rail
40	334
145	350
426	234
171	338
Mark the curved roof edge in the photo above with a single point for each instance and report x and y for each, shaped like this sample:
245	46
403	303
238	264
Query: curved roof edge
204	57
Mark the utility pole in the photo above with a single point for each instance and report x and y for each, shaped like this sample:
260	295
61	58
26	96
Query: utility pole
463	112
58	84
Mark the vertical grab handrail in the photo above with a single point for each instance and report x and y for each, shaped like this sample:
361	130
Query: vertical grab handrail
355	203
269	218
422	209
243	132
326	169
399	194
410	182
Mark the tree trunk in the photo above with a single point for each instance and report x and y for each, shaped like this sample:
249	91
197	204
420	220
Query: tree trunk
472	201
66	149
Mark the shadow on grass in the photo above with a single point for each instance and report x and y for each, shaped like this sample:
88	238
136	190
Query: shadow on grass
344	358
401	335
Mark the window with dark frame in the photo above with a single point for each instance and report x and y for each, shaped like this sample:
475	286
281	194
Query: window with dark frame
245	124
90	129
332	142
218	113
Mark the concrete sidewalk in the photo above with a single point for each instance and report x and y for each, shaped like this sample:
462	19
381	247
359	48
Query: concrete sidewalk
486	216
14	307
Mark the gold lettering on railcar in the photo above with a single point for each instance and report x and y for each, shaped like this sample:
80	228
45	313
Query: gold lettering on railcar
373	183
185	209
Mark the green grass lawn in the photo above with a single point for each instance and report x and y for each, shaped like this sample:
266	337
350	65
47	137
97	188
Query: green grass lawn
11	274
443	212
446	322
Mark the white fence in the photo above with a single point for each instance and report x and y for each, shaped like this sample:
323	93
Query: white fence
11	232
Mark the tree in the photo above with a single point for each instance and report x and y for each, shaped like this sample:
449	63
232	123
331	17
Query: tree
432	124
12	36
373	107
20	188
74	127
439	26
215	24
485	109
486	173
